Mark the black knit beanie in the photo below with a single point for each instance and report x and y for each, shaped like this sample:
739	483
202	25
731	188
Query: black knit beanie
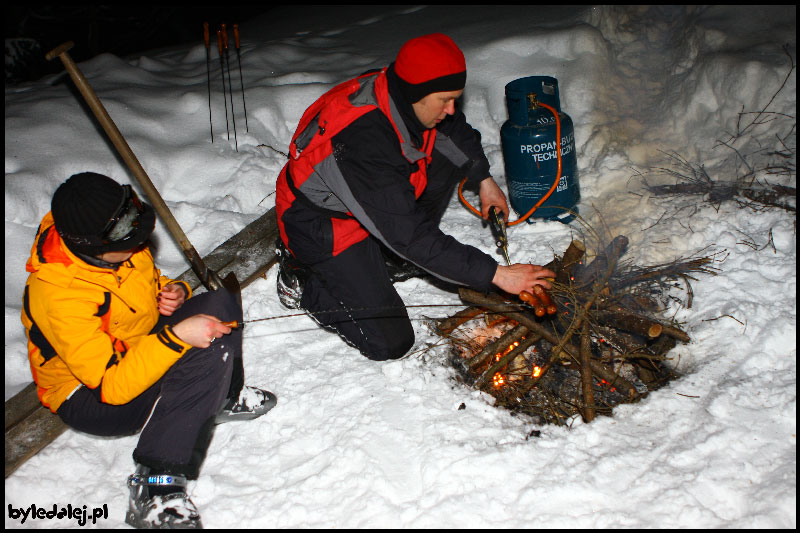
83	205
430	64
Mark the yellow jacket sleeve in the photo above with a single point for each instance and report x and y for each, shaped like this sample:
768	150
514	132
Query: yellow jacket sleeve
96	358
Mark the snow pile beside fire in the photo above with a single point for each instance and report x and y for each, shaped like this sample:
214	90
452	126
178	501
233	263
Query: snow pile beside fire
354	443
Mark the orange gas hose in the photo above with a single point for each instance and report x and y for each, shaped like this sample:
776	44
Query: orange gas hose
544	198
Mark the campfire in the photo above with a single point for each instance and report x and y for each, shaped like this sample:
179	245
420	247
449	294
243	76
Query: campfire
604	343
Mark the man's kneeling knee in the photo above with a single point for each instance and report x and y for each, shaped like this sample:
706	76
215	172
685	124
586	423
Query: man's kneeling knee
395	349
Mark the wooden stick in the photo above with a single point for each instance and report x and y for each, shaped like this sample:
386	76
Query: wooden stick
447	325
627	318
507	358
603	263
492	319
572	257
619	341
494	302
586	375
500	344
613	379
627	321
676	333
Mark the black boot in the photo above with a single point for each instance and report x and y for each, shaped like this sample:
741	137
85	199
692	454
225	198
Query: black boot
292	276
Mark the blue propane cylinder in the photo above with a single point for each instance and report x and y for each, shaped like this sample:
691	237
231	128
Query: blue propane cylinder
529	150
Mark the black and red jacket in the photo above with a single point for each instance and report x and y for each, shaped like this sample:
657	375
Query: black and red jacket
358	162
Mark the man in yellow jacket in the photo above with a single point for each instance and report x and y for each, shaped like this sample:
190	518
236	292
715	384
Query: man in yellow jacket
115	347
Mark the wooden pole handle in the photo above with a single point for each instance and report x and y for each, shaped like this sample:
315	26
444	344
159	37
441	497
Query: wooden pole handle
207	276
58	50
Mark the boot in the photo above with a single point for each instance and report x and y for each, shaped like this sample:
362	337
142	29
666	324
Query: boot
159	501
292	277
250	404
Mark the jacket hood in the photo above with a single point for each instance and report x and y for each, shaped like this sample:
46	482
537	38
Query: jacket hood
54	262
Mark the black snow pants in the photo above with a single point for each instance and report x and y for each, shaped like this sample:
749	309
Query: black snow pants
352	293
176	414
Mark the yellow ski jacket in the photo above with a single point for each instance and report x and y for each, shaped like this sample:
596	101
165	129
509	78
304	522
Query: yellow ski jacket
88	325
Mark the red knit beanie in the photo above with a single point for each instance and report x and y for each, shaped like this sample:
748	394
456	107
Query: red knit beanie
430	64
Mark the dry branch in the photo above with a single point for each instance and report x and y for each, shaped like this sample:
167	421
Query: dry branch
586	375
595	352
496	303
563	267
602	265
446	326
507	358
491	349
777	160
626	321
676	333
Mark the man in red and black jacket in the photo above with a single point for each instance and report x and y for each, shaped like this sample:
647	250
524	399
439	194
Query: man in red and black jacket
372	167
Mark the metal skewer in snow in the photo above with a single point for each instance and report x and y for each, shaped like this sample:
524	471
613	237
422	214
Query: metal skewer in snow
230	83
222	68
207	40
241	79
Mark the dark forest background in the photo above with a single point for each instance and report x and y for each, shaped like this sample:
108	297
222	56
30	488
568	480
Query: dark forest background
120	29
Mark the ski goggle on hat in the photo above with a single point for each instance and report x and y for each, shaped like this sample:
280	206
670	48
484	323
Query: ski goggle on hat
124	223
94	214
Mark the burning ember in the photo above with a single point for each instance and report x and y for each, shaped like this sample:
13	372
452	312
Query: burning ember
499	380
511	346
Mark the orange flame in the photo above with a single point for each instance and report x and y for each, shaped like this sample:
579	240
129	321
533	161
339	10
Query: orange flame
499	356
607	384
537	371
499	380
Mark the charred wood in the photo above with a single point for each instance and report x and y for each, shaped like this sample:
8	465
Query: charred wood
507	358
505	340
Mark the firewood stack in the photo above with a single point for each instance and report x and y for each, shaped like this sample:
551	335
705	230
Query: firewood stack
605	344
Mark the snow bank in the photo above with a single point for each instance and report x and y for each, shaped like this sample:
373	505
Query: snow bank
357	444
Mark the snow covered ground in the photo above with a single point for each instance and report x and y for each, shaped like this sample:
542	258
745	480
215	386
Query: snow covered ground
357	444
